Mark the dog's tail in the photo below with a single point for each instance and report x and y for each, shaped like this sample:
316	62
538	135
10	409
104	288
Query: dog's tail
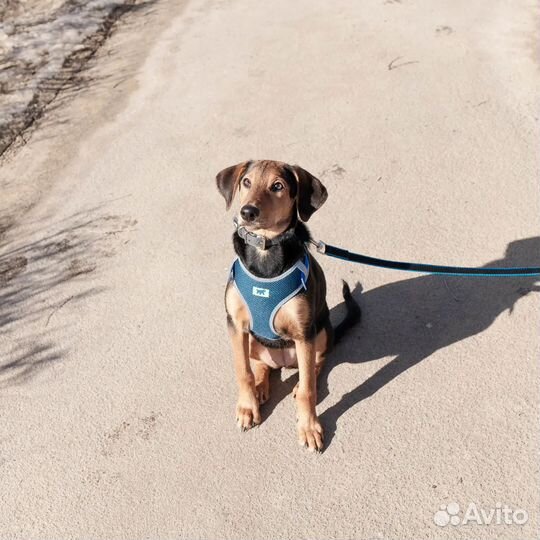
352	316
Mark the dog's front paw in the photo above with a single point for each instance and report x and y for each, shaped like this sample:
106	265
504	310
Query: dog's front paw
310	434
247	411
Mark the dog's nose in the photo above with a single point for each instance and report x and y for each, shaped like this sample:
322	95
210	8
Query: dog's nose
249	212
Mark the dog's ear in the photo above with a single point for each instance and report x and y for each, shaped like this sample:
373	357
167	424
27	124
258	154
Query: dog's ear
227	181
311	192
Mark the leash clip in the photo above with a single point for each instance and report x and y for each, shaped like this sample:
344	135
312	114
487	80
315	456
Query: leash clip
320	246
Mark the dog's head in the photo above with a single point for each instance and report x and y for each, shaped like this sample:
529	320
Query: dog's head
271	193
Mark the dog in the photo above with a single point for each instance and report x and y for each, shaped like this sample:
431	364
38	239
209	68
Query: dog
275	298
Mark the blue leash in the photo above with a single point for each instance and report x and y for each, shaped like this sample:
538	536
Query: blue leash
338	253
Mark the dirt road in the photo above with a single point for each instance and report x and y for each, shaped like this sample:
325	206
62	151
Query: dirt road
116	383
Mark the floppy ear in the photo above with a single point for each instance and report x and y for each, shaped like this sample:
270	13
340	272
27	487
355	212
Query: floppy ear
311	193
227	181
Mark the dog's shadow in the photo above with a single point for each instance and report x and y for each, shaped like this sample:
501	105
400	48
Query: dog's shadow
413	318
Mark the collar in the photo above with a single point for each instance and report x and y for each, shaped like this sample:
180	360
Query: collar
258	240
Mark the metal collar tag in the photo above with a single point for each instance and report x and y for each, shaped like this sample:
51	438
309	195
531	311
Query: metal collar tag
255	240
252	239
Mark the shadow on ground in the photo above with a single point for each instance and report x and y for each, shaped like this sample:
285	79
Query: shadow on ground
413	318
43	268
47	267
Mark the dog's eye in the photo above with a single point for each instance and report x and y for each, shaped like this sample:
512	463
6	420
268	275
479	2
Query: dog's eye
277	186
246	182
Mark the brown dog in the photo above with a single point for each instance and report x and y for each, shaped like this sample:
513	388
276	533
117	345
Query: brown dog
276	296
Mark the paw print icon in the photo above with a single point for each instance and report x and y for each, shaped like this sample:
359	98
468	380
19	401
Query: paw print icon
447	514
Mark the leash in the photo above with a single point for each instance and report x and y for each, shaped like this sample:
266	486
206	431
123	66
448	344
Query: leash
343	254
263	243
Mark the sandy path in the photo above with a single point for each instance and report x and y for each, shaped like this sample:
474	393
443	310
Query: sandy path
116	385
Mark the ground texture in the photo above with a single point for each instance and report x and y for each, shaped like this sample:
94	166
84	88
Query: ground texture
116	382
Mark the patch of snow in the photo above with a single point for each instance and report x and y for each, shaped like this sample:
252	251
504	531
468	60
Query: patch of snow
35	43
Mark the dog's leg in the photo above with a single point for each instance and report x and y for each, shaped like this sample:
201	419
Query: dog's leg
247	408
321	348
319	364
261	372
310	432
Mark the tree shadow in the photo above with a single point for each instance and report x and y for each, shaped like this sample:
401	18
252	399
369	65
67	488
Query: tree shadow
413	318
44	266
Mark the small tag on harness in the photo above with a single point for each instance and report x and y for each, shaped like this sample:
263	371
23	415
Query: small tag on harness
259	291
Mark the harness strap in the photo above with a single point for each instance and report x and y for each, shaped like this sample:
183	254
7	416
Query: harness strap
264	297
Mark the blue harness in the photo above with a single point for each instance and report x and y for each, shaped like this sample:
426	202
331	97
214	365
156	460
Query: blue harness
264	296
